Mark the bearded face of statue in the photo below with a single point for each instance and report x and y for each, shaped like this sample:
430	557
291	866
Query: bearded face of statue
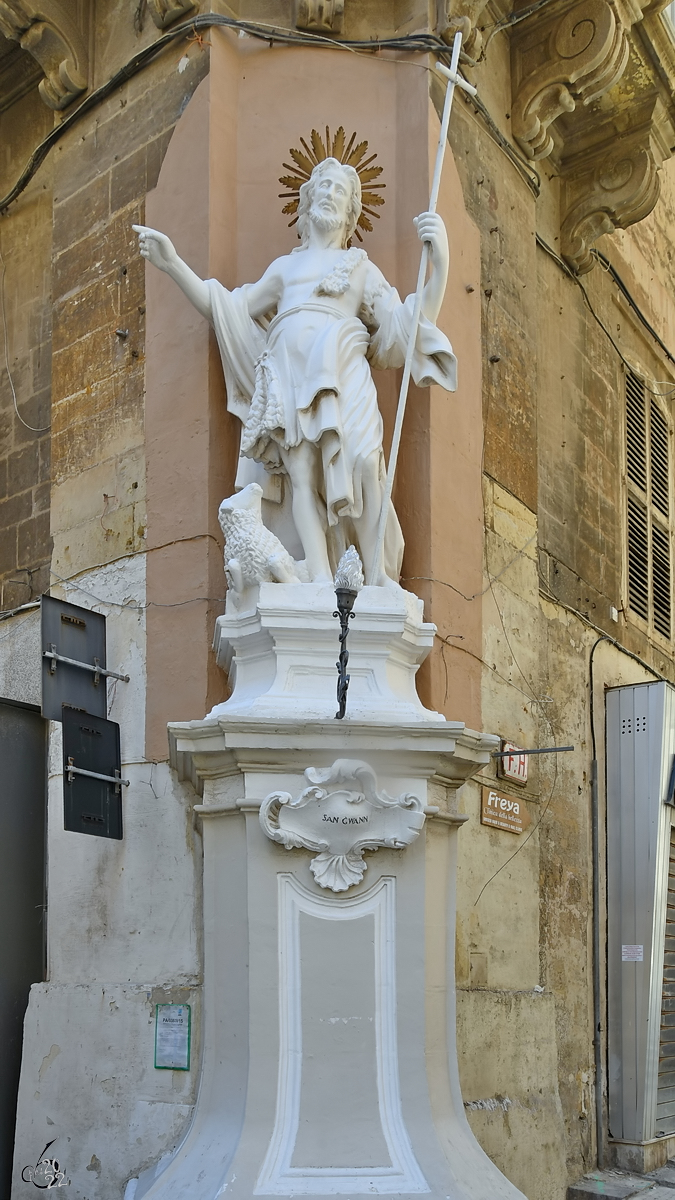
330	200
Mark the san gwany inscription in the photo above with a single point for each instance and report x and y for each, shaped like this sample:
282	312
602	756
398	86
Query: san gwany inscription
340	815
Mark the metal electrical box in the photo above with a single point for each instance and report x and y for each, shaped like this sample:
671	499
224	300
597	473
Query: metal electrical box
641	939
92	804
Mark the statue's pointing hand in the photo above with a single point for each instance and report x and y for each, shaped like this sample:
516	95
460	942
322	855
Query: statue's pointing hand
156	247
160	251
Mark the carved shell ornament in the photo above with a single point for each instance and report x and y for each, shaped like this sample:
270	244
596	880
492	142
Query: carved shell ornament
347	152
340	815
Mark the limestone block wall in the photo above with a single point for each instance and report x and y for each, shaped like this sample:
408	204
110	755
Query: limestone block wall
25	247
517	575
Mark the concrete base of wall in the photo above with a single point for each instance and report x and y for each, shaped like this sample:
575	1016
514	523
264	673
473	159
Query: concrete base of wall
622	1185
642	1157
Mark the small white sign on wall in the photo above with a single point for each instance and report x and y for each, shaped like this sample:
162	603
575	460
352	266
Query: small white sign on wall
632	953
513	764
172	1037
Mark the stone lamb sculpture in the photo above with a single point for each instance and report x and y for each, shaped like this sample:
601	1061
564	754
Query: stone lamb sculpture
253	554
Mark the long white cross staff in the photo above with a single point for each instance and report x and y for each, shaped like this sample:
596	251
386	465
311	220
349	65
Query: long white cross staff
454	80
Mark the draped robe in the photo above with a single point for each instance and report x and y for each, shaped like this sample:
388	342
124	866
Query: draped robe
306	376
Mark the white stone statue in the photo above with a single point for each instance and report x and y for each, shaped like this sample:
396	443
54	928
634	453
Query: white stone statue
297	350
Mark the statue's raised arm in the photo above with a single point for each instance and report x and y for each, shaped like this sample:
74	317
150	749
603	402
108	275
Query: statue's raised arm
297	347
161	252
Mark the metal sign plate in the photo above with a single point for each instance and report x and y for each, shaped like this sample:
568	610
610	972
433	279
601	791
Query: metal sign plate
514	765
76	633
93	744
503	812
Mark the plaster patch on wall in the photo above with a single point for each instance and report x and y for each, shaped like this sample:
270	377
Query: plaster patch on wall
491	1105
48	1060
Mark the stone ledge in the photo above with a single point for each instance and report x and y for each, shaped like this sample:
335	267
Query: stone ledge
619	1185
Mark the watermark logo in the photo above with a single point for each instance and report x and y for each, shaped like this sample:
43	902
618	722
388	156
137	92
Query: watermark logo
46	1173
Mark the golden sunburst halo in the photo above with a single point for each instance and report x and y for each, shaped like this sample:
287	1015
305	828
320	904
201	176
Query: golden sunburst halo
347	152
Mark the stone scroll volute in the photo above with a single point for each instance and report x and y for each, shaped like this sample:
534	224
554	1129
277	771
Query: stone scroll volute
560	62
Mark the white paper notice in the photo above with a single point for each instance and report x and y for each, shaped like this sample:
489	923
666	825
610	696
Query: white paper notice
631	953
172	1037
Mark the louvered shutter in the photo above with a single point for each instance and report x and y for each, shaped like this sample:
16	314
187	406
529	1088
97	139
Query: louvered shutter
636	431
658	455
661	579
638	558
649	533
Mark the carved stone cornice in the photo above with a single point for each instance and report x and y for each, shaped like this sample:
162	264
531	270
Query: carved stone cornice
320	16
571	57
610	187
593	90
612	153
165	12
19	74
50	32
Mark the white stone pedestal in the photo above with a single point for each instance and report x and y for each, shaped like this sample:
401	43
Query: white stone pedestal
329	1063
280	654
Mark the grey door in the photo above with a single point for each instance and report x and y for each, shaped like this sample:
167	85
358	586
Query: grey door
23	786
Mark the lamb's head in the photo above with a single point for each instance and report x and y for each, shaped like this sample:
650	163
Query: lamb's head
248	501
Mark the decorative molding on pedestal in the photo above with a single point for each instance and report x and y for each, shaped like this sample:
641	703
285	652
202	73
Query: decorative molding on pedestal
51	32
341	822
280	654
401	1174
203	751
315	1076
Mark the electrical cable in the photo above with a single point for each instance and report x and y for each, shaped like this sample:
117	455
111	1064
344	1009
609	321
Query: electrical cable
13	612
548	595
14	628
137	607
633	303
525	169
575	278
493	578
506	22
408	43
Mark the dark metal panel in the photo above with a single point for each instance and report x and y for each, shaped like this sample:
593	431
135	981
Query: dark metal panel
77	633
23	786
93	744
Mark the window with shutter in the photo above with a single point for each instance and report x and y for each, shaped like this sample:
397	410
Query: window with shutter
650	533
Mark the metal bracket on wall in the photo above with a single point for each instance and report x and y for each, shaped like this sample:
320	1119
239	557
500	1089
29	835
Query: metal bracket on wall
97	669
72	770
545	750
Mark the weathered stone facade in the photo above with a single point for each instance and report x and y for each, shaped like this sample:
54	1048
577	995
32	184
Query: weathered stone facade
521	578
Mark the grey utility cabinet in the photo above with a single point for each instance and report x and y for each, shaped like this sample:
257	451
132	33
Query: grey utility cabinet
641	911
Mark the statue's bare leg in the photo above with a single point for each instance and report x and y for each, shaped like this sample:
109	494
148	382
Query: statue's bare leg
366	525
303	464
